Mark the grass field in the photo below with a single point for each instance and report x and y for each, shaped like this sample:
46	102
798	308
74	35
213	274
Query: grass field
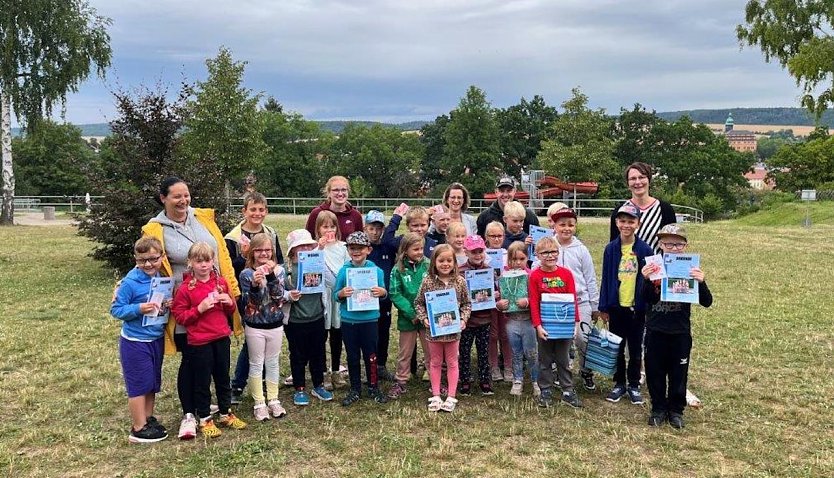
762	363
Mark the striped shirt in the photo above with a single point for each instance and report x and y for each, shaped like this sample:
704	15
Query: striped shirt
650	222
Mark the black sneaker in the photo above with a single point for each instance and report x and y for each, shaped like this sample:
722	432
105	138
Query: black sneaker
635	396
376	395
351	398
465	389
656	419
588	381
486	389
147	434
154	423
571	399
237	396
676	420
546	398
616	393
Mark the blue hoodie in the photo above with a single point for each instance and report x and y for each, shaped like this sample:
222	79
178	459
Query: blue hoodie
134	290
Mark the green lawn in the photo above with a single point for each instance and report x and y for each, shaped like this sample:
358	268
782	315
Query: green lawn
762	364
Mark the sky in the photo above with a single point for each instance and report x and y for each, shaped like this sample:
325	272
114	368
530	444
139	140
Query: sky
398	61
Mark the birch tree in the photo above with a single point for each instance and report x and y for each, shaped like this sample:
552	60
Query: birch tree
47	49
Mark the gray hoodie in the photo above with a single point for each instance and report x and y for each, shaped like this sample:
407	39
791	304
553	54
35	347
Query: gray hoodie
576	257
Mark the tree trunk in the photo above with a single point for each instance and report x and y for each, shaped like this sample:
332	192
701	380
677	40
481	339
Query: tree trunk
7	212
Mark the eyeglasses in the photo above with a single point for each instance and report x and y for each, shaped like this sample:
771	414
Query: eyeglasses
147	260
637	178
673	245
262	251
495	236
339	190
548	253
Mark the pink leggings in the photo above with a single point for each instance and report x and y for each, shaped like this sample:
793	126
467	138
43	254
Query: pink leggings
440	352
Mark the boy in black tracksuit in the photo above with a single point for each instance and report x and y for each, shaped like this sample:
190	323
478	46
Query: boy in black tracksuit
668	339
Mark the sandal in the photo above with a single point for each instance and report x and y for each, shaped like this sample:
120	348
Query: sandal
435	403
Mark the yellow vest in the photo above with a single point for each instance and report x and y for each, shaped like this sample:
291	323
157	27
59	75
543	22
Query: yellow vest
206	218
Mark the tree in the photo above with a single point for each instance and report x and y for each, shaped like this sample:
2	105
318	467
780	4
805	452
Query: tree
799	36
581	146
222	124
471	150
52	160
431	168
386	159
48	48
296	154
523	129
803	165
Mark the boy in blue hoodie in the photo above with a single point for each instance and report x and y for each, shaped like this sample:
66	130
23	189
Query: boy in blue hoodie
621	302
141	342
359	327
383	254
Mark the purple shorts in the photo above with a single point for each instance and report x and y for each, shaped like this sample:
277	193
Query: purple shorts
141	366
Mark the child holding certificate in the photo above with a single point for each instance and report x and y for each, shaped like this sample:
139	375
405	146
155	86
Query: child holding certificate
552	281
515	306
443	277
329	239
305	324
141	342
356	296
482	296
669	335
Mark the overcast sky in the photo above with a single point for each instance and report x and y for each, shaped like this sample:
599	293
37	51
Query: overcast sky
400	61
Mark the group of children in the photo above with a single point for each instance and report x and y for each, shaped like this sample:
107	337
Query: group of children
402	270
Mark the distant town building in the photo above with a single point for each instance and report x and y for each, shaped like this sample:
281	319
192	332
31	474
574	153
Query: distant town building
758	178
739	139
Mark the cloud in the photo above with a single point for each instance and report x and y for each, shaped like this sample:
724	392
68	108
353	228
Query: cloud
373	59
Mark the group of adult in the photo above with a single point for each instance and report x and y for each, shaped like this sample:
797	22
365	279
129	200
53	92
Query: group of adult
178	225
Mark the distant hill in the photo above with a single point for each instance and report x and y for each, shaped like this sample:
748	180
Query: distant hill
761	116
103	129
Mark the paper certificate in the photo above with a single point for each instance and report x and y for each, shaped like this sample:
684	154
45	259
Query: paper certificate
558	312
310	278
513	286
497	259
657	259
361	279
162	289
678	285
443	311
538	232
481	286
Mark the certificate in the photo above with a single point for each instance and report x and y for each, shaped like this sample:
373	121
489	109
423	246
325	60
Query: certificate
481	286
161	290
361	279
678	285
657	259
310	278
497	258
538	232
513	286
443	311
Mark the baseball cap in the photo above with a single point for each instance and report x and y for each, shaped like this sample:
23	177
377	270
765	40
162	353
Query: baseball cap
673	229
299	237
630	210
505	181
358	238
374	216
473	242
563	212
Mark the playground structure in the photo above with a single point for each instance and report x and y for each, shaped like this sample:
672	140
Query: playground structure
536	187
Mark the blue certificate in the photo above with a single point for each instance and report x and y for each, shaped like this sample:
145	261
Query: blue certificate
678	285
161	290
497	259
310	278
361	279
481	286
443	311
538	232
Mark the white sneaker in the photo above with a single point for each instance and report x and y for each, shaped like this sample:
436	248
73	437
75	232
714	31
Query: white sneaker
537	391
288	381
508	375
188	427
261	412
692	400
516	388
449	404
213	409
435	403
276	409
496	375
